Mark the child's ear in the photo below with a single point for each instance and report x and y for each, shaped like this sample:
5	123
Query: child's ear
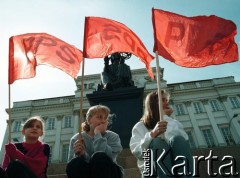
41	134
87	120
23	131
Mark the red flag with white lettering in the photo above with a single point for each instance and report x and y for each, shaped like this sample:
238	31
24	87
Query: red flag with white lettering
194	41
26	51
103	37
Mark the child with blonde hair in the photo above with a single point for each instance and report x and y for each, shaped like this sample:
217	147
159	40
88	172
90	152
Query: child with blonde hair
93	153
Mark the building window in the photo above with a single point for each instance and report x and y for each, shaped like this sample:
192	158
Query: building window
191	140
208	137
215	105
17	126
180	109
198	107
227	135
91	85
68	121
65	152
235	102
51	123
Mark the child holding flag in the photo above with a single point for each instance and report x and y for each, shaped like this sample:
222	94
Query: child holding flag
94	153
146	137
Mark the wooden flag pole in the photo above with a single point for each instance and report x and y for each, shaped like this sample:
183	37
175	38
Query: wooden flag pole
81	98
160	107
158	73
9	122
82	81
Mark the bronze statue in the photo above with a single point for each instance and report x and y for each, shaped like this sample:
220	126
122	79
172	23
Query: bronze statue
117	74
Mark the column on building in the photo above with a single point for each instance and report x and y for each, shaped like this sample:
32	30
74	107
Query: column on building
234	127
5	141
219	136
56	149
197	131
76	114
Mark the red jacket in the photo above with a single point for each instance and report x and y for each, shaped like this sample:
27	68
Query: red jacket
34	156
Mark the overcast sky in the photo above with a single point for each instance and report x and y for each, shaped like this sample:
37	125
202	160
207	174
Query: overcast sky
65	20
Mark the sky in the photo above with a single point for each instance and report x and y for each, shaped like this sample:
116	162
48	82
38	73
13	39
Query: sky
65	19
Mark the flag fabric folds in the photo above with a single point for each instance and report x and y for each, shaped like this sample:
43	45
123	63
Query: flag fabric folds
194	41
26	51
103	37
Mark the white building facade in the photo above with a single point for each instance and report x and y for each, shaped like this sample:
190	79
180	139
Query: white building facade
208	109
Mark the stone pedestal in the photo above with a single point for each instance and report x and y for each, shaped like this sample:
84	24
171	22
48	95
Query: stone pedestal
126	104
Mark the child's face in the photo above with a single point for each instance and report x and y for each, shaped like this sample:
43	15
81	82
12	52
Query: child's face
33	131
98	119
164	102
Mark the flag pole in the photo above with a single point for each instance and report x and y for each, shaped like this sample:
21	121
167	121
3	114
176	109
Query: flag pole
82	82
158	70
9	122
81	99
9	114
159	87
160	107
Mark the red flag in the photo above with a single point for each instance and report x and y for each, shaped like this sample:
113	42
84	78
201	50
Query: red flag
194	41
103	37
29	50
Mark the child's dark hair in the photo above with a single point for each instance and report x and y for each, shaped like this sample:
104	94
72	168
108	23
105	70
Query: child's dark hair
151	111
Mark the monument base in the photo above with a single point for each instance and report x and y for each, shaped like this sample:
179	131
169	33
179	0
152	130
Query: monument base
126	104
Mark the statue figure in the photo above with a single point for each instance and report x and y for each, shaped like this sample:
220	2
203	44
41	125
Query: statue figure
117	74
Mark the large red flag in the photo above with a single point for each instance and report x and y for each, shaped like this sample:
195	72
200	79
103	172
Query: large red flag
194	41
29	50
103	37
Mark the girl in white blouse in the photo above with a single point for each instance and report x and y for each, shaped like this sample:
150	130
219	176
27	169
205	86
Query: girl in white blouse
166	153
